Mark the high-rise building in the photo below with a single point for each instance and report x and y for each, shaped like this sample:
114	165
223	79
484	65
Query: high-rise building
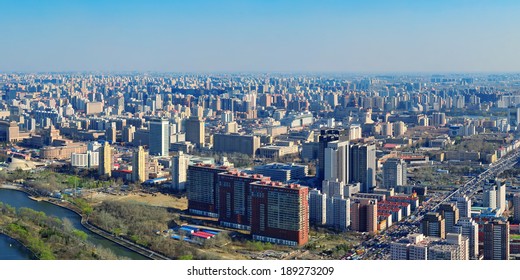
231	127
338	212
388	129
363	166
501	197
412	247
394	173
139	165
363	215
354	132
326	136
317	207
438	119
516	207
203	189
433	224
463	204
128	134
159	138
399	128
495	196
195	131
490	198
111	134
332	188
469	228
513	117
455	247
105	160
179	171
226	116
496	240
416	246
337	161
234	193
279	213
450	213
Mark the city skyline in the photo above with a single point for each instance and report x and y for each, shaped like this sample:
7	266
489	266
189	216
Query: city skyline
260	36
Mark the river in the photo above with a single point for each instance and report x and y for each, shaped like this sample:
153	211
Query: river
11	249
19	199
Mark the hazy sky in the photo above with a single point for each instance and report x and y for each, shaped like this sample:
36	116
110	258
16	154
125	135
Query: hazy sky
261	35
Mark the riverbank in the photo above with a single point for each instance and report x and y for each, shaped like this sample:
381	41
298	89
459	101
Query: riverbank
92	228
33	255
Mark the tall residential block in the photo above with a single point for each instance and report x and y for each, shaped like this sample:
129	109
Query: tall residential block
128	134
363	215
203	189
496	240
469	228
463	204
111	133
450	213
433	224
280	213
338	212
337	161
363	166
326	136
394	173
516	207
105	160
139	165
195	131
234	193
317	207
179	171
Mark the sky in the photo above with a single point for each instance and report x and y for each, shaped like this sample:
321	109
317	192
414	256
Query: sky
376	36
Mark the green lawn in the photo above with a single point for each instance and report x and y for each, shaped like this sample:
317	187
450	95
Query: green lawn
515	236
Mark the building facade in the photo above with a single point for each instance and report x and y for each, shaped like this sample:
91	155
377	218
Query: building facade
279	213
159	137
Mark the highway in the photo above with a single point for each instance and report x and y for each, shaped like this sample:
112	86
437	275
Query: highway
378	247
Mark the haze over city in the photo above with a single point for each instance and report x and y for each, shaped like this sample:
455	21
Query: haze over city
260	36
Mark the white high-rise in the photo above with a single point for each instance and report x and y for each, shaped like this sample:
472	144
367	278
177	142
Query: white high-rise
317	207
338	212
490	198
394	173
469	228
501	197
463	204
159	141
354	132
337	161
332	188
495	196
179	171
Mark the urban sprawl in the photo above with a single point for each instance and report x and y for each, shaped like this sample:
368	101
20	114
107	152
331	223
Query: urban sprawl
401	166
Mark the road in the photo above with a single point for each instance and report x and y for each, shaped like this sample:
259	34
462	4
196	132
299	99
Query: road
378	246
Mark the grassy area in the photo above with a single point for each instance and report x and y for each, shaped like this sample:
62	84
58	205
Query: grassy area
428	176
514	236
49	238
160	200
330	244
